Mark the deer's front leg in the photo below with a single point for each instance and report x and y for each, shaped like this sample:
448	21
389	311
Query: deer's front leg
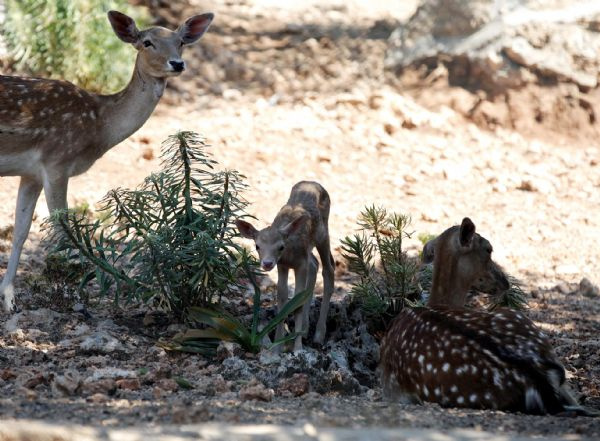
282	297
311	281
29	192
55	190
301	275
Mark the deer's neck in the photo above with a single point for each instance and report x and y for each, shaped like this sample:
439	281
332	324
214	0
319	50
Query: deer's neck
125	112
446	288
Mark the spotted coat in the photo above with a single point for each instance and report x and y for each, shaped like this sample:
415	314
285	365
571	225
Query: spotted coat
476	359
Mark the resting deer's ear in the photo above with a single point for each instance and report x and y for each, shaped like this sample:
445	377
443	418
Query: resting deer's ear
124	27
429	251
467	231
293	226
246	229
194	27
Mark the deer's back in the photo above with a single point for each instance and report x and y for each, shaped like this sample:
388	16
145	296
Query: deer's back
463	358
312	197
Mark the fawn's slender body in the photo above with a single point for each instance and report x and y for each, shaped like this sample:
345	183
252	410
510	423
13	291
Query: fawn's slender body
456	357
287	243
52	130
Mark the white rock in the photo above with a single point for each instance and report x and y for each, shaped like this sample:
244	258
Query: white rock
102	342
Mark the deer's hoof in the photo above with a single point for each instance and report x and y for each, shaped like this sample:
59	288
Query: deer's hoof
8	297
319	339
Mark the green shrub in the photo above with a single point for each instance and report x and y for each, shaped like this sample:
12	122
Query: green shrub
171	241
388	276
72	40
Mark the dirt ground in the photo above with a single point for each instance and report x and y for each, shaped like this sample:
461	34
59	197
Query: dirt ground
299	92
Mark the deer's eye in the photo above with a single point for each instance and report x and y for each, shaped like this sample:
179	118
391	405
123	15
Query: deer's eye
281	248
148	43
257	248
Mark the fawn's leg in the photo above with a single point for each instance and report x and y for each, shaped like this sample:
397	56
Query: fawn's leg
313	269
301	276
29	192
328	281
282	297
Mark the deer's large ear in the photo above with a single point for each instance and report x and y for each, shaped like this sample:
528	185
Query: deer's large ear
467	231
246	229
429	251
293	226
124	26
194	27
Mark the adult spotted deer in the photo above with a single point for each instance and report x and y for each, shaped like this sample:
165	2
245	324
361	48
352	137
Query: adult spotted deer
457	357
287	243
51	130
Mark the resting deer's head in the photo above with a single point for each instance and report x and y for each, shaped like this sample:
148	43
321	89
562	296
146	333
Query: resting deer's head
462	258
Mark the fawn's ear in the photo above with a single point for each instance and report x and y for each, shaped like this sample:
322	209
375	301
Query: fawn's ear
467	231
246	229
124	26
429	251
293	226
194	27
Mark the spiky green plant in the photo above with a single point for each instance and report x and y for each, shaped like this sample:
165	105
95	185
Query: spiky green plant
170	241
387	275
70	39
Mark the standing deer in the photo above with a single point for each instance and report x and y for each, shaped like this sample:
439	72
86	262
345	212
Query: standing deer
287	243
456	357
51	130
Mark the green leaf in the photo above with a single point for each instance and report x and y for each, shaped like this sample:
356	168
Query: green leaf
183	383
292	305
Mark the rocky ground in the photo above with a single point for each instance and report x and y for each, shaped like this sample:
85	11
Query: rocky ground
285	94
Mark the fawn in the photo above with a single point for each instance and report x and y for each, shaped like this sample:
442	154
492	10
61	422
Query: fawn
51	130
456	357
300	225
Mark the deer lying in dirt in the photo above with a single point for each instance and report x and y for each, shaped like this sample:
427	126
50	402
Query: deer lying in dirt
287	243
51	130
456	357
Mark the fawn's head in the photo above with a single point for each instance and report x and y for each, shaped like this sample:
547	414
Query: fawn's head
461	259
272	241
159	49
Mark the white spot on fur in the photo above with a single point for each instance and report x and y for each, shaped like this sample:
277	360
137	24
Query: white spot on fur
497	379
533	400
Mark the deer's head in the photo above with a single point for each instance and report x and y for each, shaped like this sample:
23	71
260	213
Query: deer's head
462	258
159	49
272	241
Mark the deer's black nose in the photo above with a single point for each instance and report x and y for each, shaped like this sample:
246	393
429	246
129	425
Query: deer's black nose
178	66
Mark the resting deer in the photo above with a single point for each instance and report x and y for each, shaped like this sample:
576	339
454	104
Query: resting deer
456	357
299	226
51	130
